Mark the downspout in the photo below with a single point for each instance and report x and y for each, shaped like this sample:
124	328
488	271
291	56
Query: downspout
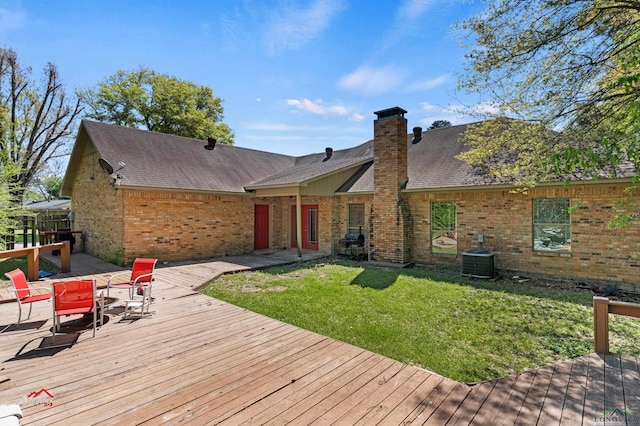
299	223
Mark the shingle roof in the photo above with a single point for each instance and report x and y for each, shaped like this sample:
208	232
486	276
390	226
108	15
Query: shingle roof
431	163
167	161
312	166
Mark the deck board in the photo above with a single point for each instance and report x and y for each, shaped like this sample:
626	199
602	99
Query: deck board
471	405
509	413
573	408
551	412
631	384
198	360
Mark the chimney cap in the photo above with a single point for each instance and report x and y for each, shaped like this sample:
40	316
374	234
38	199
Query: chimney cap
390	112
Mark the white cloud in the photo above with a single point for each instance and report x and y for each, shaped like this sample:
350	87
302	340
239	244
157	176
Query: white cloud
292	28
457	113
372	81
481	109
412	10
317	107
265	126
10	20
429	83
408	21
435	112
429	107
356	117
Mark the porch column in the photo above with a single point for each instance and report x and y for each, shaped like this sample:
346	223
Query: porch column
299	223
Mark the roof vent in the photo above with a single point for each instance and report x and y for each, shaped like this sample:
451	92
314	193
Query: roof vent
329	152
417	135
211	143
403	184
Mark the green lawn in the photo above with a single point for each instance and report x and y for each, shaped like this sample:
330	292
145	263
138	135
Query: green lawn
7	265
465	329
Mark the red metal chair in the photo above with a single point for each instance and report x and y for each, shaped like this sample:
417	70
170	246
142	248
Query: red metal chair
76	297
23	291
141	276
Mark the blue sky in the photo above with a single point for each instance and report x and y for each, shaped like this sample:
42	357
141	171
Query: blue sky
295	76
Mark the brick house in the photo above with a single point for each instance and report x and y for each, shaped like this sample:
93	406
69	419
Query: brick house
138	193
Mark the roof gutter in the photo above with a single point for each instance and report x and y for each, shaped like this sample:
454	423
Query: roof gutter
520	188
183	190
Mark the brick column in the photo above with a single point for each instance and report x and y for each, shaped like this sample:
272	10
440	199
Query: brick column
390	219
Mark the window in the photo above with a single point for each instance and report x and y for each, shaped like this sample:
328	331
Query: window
444	237
313	225
356	219
552	225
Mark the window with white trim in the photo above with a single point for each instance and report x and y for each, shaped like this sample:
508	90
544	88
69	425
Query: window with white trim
444	235
552	225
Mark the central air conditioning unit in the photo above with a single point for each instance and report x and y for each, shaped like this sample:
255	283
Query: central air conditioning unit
478	263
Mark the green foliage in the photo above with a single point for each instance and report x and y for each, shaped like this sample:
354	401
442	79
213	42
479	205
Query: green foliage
159	102
438	124
567	65
116	258
9	207
511	151
443	215
21	263
465	329
49	186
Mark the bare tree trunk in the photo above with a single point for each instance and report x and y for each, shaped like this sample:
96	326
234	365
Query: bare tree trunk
35	120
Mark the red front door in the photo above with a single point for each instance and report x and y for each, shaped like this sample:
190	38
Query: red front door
261	227
309	227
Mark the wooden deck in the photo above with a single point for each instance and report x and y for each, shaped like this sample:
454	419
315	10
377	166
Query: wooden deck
199	360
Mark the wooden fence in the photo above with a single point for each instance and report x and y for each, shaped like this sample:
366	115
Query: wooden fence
39	228
602	307
33	257
26	228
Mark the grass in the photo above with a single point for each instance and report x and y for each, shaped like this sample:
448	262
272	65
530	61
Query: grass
7	265
468	330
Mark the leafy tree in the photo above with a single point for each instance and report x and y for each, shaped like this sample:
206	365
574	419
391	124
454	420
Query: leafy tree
438	124
162	103
10	208
49	187
47	182
566	65
35	122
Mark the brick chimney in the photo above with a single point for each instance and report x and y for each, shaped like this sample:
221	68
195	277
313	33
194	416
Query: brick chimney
391	230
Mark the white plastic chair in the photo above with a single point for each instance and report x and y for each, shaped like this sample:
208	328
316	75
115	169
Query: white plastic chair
139	307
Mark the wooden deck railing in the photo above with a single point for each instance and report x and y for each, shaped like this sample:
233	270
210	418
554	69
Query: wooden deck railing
602	307
33	257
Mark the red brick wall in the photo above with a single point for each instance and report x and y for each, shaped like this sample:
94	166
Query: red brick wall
598	252
390	238
180	226
341	217
98	210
